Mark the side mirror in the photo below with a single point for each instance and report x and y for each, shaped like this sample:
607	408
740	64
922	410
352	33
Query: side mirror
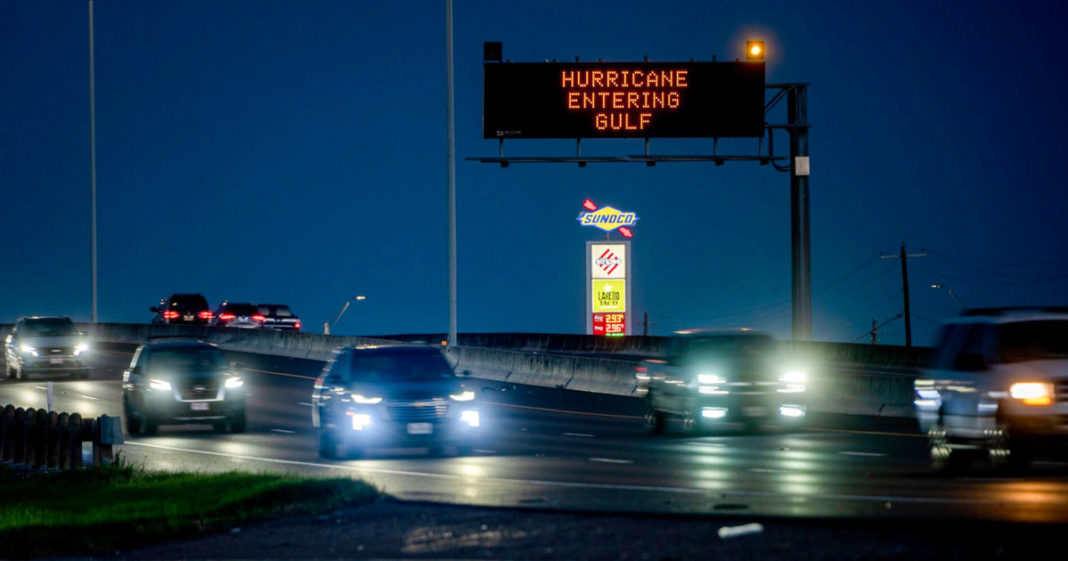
153	309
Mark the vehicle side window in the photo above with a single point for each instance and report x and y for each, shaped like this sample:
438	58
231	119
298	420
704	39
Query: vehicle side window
136	355
975	351
340	369
142	359
950	342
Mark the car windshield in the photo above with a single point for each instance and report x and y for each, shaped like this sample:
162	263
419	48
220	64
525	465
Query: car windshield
241	309
184	303
730	345
399	365
1033	340
50	327
276	311
187	359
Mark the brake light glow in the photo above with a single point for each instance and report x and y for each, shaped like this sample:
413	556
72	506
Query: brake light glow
170	314
296	326
205	315
226	317
1032	393
259	318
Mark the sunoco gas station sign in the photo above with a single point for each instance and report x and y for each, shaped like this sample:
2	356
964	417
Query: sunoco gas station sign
607	297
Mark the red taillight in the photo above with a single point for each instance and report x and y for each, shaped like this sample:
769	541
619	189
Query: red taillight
226	317
205	315
259	318
641	369
296	326
170	314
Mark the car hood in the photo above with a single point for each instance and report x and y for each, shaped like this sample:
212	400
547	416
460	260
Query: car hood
408	391
65	341
1036	370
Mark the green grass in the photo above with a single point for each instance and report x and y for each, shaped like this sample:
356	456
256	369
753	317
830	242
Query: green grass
104	509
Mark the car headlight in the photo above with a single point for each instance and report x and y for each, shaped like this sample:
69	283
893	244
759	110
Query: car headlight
158	384
357	398
28	349
466	395
81	348
360	420
234	382
709	379
470	417
794	377
1032	393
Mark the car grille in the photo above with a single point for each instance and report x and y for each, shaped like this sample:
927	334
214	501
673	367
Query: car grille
417	411
56	351
198	392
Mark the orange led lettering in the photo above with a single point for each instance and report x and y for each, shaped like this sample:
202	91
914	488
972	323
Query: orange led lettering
617	100
637	78
632	100
610	78
680	78
673	100
624	99
601	121
573	100
596	78
567	79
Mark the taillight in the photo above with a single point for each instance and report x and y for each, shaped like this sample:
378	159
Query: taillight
259	318
205	315
296	326
170	314
226	317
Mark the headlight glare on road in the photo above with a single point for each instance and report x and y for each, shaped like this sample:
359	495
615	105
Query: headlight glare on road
158	384
466	395
470	417
1032	393
234	382
28	349
794	376
81	348
364	400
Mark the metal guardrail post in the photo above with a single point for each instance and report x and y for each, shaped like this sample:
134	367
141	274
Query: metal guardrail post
52	459
75	436
29	437
41	438
7	434
64	440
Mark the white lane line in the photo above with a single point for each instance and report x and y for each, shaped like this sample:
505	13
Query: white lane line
578	434
611	461
284	431
306	404
863	454
481	451
765	470
41	387
579	485
89	397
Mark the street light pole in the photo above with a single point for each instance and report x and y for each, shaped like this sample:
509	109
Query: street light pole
92	168
451	173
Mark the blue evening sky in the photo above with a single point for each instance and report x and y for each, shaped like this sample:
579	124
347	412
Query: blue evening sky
295	152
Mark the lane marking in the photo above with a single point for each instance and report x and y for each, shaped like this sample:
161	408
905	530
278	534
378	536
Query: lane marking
88	397
608	415
870	432
273	373
284	431
721	495
766	470
578	434
863	454
611	461
304	403
481	451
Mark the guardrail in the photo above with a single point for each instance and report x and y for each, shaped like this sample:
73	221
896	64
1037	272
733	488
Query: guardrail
36	438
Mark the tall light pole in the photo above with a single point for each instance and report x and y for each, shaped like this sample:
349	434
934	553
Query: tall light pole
451	173
92	167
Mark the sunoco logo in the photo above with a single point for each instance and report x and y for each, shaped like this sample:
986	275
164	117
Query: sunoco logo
607	218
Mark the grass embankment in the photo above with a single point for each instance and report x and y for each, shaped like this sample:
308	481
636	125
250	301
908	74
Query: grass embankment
105	509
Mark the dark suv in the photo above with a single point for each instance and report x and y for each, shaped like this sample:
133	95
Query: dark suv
279	316
183	309
181	381
388	396
238	314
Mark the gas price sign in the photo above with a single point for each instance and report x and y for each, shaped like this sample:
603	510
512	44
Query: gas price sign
639	100
610	325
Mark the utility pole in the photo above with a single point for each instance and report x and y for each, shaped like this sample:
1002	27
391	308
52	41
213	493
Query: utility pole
801	281
645	323
451	117
875	331
92	169
904	257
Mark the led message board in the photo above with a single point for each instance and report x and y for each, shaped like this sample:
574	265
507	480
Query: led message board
620	100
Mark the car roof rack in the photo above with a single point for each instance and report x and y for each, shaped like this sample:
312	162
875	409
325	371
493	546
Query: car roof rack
1014	309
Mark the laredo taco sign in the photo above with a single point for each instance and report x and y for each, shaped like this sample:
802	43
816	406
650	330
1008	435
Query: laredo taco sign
607	218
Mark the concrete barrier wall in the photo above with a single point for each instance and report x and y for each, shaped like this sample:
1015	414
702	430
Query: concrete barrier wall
845	378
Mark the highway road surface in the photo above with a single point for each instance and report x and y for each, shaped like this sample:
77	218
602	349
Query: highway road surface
559	449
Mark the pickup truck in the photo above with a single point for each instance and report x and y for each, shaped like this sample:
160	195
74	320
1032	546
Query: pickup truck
711	378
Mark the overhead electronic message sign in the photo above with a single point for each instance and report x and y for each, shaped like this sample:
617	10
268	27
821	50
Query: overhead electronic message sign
620	100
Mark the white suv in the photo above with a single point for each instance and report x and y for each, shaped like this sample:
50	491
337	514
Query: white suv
998	387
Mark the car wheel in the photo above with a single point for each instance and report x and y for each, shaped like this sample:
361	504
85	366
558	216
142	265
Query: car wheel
329	447
10	371
653	419
944	459
1006	451
133	424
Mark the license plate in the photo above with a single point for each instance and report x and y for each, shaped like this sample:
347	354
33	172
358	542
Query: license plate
420	428
754	411
187	318
201	406
56	361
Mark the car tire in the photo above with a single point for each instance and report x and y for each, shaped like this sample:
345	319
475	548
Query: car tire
1006	451
329	447
10	371
944	459
133	423
654	420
